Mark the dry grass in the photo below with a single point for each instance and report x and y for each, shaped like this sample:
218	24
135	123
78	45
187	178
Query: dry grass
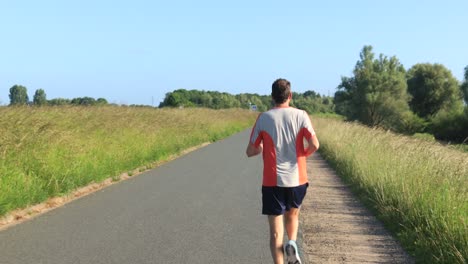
418	188
50	151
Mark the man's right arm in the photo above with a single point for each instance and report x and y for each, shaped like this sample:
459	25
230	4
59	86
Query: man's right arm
252	150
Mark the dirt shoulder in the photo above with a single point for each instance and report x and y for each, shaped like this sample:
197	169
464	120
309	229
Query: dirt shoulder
337	228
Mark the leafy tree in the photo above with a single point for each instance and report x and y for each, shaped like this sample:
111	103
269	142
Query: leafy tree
18	95
101	101
263	102
59	101
83	101
377	93
451	125
255	99
225	100
243	100
342	101
39	97
206	100
309	101
313	102
464	86
312	94
432	87
267	102
180	97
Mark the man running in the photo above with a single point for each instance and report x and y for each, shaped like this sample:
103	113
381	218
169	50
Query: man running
279	134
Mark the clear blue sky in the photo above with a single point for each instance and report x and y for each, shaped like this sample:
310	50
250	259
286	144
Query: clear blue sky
131	51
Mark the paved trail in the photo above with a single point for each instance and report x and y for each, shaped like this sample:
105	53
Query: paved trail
201	208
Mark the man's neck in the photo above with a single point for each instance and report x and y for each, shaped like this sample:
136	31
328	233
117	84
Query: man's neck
283	105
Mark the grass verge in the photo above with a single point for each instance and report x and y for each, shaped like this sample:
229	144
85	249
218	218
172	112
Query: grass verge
419	189
50	151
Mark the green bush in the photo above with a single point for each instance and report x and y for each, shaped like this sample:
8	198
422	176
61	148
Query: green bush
425	136
451	126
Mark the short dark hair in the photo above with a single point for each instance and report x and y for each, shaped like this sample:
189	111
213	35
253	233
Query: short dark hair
280	90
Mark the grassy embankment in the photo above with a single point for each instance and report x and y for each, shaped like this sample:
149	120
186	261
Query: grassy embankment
418	188
46	152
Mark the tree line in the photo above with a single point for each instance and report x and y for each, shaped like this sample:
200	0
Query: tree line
310	101
427	98
19	96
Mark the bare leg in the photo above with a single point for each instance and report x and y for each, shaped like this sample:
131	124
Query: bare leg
292	223
276	238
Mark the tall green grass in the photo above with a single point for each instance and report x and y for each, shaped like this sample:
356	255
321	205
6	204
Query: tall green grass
51	151
418	188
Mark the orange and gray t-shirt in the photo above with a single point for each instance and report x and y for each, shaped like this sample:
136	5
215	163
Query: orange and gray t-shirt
283	131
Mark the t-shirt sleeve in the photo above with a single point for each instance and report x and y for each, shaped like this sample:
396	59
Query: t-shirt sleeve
310	132
255	136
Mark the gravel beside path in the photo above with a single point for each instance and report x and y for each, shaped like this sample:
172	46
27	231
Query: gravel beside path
337	228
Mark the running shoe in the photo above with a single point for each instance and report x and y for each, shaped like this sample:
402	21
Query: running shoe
292	254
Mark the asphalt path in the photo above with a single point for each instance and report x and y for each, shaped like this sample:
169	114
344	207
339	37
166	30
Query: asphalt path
204	207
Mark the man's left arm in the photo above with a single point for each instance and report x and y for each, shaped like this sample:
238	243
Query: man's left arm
313	145
311	137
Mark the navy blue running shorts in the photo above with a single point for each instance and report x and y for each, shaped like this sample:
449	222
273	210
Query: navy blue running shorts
277	200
